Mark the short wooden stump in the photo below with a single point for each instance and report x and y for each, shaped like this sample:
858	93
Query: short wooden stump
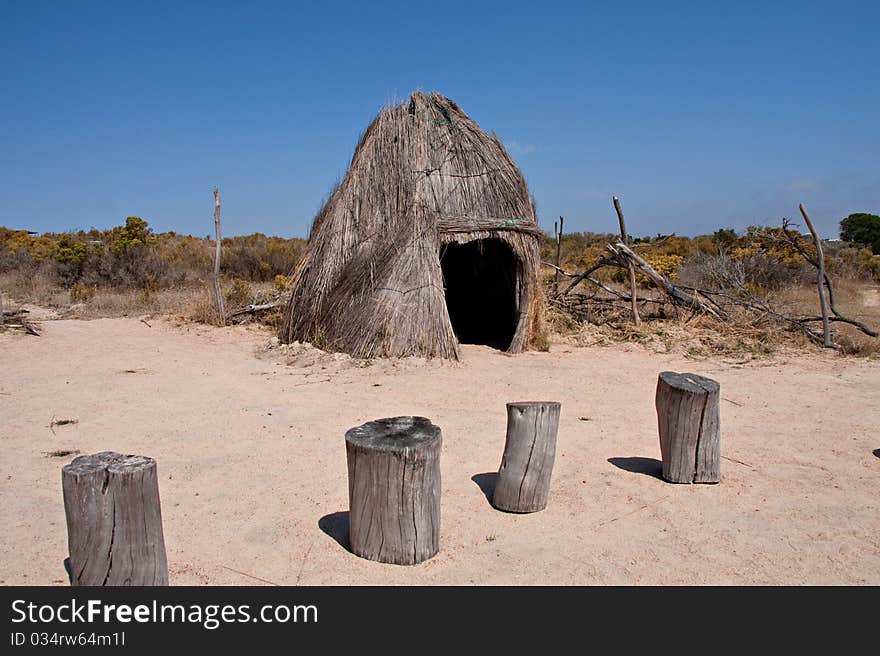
523	483
690	427
114	522
394	489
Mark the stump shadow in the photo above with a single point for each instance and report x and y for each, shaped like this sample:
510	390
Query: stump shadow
337	526
639	465
486	482
877	452
67	569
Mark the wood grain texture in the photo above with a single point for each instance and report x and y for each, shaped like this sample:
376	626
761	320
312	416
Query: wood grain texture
689	426
215	281
114	521
827	342
394	489
632	271
523	483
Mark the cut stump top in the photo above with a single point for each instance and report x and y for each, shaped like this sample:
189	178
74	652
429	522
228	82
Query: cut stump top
109	460
689	382
393	433
529	404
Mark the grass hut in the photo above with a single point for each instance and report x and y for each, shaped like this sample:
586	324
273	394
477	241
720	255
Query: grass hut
429	241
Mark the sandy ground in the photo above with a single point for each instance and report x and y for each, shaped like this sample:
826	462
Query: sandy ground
249	444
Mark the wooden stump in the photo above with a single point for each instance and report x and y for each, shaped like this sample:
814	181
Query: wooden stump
394	489
523	483
689	425
114	523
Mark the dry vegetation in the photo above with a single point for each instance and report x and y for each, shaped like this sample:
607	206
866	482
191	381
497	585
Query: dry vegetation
763	269
129	271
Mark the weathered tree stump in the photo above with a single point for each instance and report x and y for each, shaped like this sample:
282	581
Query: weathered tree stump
394	489
523	483
689	425
114	523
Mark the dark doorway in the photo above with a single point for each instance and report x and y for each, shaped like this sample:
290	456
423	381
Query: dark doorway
480	279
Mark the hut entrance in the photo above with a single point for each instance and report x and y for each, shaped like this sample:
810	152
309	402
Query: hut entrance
480	279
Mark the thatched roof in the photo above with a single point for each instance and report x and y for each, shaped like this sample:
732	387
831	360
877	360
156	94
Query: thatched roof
423	175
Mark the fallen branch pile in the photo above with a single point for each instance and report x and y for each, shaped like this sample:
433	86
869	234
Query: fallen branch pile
16	319
254	308
724	306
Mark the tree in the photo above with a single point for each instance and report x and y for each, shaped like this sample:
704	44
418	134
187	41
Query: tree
724	239
133	237
862	228
135	262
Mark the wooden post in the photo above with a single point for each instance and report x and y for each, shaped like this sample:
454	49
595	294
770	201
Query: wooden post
632	271
690	428
523	483
218	292
114	522
823	301
558	234
394	489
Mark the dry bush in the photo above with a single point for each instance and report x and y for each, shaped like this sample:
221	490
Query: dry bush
239	294
33	286
259	258
695	338
855	299
202	308
109	302
753	273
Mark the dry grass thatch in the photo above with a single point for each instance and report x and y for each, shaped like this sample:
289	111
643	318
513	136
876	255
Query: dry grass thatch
424	175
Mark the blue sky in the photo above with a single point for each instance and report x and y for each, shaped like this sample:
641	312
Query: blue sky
697	115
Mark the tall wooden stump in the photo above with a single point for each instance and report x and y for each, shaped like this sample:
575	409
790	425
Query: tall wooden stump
114	523
523	483
394	489
689	424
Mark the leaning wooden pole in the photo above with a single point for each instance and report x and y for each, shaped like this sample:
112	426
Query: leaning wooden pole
823	300
114	522
218	292
558	234
632	271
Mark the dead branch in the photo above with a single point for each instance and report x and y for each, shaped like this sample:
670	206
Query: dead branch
560	270
715	303
586	274
599	284
20	321
762	309
820	282
253	309
632	272
558	234
678	297
795	243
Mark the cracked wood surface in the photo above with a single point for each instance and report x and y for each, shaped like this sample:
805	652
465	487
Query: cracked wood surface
394	489
689	426
523	483
114	521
